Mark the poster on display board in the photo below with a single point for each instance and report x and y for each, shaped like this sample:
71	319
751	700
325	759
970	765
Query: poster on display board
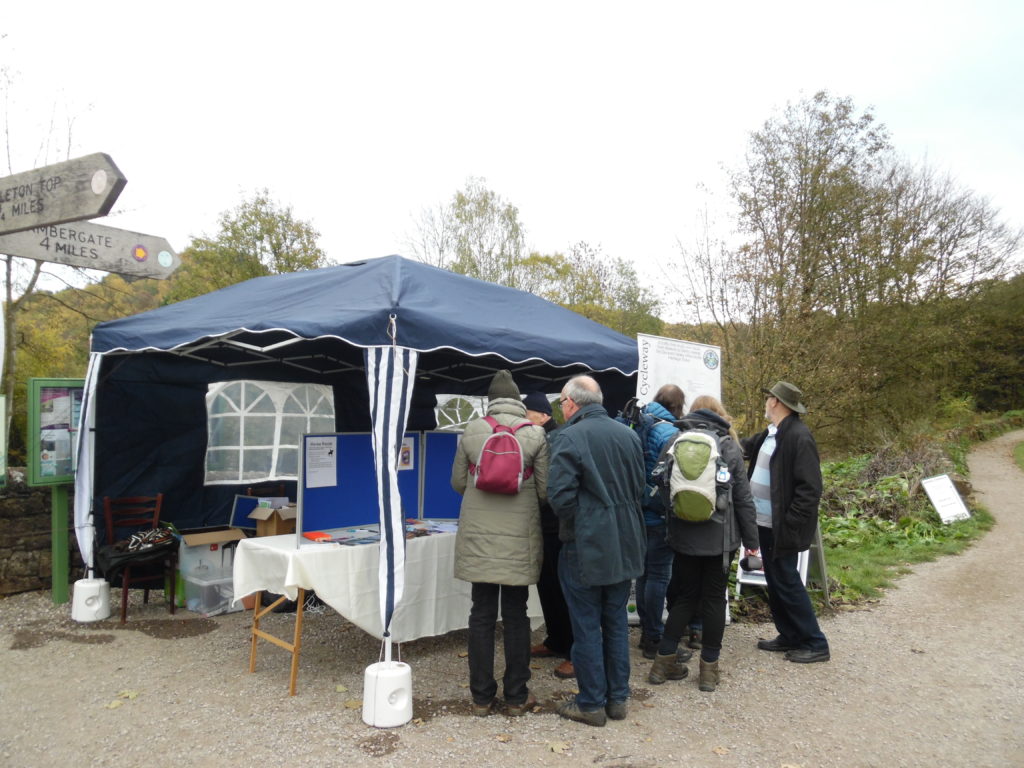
696	368
54	412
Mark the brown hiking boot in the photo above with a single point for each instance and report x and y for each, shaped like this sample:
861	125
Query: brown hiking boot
571	711
667	668
709	675
515	710
565	670
482	710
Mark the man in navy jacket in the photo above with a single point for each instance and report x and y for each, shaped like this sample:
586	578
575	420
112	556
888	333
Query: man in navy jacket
595	484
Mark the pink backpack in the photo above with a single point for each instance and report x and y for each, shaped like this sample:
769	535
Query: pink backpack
499	468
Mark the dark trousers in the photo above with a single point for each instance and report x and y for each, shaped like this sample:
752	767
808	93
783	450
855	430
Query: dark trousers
699	584
600	649
552	601
652	586
791	606
483	618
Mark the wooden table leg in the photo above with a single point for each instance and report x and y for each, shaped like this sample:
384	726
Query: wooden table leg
297	641
293	647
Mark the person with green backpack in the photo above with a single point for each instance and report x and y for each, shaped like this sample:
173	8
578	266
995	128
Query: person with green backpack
710	512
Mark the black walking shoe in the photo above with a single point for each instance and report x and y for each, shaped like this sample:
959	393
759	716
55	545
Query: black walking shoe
807	656
777	645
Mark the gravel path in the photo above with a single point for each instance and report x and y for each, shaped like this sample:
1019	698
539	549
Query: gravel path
928	676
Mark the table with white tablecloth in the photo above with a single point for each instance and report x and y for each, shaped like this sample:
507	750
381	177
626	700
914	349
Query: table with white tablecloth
345	577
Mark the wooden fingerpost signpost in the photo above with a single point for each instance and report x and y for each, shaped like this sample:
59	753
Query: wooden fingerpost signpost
78	189
42	217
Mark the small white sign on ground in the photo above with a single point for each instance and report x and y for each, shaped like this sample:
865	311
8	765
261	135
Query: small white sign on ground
945	499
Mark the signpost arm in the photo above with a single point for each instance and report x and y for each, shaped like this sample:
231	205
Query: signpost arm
59	543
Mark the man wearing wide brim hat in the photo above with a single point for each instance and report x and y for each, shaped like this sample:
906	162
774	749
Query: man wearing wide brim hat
785	481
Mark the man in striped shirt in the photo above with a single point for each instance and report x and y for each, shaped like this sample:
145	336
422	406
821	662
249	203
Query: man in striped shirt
785	481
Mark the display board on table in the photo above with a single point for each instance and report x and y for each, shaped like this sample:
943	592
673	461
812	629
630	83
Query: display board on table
338	479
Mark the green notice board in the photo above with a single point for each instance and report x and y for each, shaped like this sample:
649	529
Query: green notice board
54	412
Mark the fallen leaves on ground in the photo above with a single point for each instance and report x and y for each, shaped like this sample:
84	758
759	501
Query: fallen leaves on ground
721	750
504	738
558	747
340	688
354	704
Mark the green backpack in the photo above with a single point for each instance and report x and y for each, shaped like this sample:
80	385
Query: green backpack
699	481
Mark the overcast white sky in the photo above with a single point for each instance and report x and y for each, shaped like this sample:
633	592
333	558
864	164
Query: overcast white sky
599	121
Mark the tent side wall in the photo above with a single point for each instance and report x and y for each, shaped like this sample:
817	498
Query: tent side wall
151	428
151	425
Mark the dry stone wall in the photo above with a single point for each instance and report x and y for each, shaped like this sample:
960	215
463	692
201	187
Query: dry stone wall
25	556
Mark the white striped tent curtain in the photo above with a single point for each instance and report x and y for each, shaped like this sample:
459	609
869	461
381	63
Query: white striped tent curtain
390	372
85	530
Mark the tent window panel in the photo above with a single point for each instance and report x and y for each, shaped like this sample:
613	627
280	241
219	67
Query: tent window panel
257	462
292	428
259	402
454	412
255	427
223	462
224	404
225	430
287	462
260	431
319	424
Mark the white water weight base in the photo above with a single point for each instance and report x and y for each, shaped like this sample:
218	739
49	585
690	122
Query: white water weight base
387	694
91	600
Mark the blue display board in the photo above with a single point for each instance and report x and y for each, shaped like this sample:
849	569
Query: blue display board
240	510
350	497
439	500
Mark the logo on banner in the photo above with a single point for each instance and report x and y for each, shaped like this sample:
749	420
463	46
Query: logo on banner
710	359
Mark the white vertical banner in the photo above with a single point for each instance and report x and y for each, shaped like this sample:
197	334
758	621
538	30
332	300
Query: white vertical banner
696	368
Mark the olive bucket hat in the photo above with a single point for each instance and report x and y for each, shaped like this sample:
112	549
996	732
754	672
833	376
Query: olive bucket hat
789	396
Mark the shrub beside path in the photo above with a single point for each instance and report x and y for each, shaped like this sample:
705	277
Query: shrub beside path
930	675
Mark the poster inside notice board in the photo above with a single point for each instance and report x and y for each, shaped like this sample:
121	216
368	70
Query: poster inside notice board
338	484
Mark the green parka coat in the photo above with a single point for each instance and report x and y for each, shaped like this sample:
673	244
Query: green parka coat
499	537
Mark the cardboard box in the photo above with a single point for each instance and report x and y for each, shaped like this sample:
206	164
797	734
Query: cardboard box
274	522
206	557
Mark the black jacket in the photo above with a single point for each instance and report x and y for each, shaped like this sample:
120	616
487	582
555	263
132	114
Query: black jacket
796	484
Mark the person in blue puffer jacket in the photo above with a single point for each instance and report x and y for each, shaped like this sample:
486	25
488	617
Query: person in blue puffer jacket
652	586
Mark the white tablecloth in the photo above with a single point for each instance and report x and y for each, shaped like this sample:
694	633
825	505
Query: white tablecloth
345	577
